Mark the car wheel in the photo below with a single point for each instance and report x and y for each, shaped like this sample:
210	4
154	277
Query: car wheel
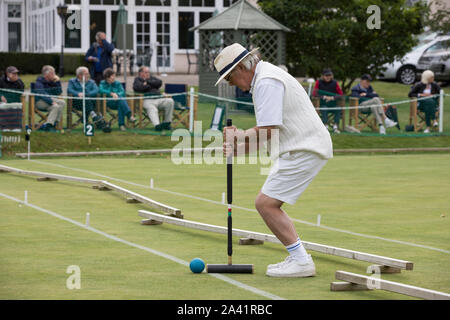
406	75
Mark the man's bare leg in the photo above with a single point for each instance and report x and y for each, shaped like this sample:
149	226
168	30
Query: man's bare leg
276	219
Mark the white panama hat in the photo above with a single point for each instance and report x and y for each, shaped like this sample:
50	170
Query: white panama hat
229	58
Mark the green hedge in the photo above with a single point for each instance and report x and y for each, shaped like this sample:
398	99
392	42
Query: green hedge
33	62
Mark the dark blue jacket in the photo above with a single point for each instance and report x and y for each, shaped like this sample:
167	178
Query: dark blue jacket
358	89
105	58
43	86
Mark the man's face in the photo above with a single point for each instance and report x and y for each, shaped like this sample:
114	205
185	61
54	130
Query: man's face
365	84
100	38
327	77
84	74
13	76
145	74
240	77
50	75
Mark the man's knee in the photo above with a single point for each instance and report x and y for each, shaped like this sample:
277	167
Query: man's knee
60	104
263	202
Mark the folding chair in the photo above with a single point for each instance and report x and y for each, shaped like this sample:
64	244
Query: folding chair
341	103
417	117
138	109
13	117
361	119
33	111
73	112
181	108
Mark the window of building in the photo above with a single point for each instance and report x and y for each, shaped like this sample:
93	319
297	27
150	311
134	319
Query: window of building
73	34
196	3
166	3
108	2
163	38
14	36
143	45
14	10
185	37
97	23
227	3
72	1
205	16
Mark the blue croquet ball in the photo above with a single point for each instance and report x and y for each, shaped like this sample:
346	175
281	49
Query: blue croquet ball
197	265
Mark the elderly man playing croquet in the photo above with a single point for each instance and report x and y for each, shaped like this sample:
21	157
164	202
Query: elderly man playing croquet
284	112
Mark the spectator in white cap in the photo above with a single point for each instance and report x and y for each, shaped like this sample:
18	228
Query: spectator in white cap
283	111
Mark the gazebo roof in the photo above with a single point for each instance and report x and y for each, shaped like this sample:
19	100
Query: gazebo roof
241	16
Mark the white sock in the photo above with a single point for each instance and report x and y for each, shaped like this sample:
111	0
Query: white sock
297	251
93	114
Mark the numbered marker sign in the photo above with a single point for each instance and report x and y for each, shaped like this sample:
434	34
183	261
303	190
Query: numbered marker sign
89	130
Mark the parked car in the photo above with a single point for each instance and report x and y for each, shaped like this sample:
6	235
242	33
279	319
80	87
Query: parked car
437	59
406	69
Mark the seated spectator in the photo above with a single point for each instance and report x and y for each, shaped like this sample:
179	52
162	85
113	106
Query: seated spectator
427	88
112	88
10	80
49	85
148	85
75	88
329	92
369	99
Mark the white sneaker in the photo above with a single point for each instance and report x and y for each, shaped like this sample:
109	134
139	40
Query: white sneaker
292	268
389	123
382	129
335	129
426	130
435	124
122	128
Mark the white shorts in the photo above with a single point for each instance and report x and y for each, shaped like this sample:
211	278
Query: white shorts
291	173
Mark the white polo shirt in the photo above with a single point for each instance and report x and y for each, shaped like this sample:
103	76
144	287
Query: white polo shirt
268	100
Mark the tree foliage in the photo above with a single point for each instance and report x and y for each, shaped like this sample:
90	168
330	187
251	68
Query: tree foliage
334	34
439	19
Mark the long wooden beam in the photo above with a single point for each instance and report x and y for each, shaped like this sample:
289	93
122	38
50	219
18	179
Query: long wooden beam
376	283
152	203
49	175
100	184
380	260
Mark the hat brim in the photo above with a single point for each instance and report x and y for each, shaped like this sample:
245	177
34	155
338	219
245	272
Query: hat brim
234	66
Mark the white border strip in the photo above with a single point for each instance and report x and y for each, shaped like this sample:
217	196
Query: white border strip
150	250
249	210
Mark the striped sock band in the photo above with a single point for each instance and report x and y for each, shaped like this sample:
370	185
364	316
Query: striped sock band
297	250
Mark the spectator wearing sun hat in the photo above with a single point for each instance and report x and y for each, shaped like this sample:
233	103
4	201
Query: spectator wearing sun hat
299	145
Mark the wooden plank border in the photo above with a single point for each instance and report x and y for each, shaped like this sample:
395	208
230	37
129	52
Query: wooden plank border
100	185
380	284
151	203
380	260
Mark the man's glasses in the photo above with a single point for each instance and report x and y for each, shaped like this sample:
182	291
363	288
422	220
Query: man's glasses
228	77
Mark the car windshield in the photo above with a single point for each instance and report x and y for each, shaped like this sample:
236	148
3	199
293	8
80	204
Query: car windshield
441	45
